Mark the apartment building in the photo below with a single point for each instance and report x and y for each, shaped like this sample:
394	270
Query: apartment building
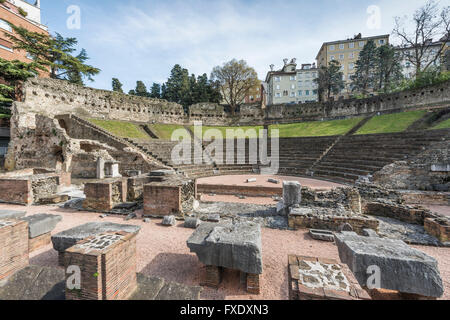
346	52
20	13
291	85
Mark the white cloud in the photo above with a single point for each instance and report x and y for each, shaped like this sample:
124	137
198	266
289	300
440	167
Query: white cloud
199	35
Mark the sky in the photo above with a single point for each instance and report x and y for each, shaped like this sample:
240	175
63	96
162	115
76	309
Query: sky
143	39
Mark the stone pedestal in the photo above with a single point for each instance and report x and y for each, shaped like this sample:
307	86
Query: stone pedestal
14	247
105	195
213	276
108	267
162	200
292	193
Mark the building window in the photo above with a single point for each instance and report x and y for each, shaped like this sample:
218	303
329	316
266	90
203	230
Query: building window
361	44
293	78
332	58
341	57
300	93
342	46
315	92
351	45
381	41
293	86
6	48
278	95
292	94
278	87
351	66
285	93
277	79
332	47
351	55
5	26
307	92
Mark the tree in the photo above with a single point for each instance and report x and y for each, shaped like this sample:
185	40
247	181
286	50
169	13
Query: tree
55	53
177	86
13	72
418	48
155	91
388	68
236	80
330	80
141	90
365	74
117	85
447	60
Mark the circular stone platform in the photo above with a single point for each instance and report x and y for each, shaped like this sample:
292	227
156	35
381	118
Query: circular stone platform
229	188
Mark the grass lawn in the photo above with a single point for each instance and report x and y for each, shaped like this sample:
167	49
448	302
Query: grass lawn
316	128
3	116
443	125
388	123
121	129
164	131
239	131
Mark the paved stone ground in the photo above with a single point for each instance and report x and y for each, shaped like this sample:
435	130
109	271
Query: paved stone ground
265	215
162	252
48	283
409	233
261	180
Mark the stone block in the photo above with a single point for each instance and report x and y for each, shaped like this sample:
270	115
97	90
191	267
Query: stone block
12	214
169	221
370	233
192	223
214	218
403	268
66	239
292	193
39	242
322	235
274	181
234	246
162	200
100	168
108	266
14	247
40	224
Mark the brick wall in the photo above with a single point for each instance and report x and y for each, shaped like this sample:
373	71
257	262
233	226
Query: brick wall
16	191
160	200
104	195
438	228
14	247
108	267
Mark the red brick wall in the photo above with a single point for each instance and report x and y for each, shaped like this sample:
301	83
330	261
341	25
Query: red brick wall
14	248
17	20
162	200
16	191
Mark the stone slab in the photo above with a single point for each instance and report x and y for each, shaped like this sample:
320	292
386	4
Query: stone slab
66	239
292	193
322	235
402	268
235	246
12	214
169	221
40	224
192	223
35	283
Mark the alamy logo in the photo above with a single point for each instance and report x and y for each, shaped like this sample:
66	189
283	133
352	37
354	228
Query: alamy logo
231	149
374	279
74	20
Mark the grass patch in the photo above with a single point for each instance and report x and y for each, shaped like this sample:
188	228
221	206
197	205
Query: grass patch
164	131
121	129
316	128
5	116
442	125
389	123
239	131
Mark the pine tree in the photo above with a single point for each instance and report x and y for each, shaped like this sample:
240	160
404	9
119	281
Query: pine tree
54	53
388	68
155	91
330	80
177	86
117	85
141	89
365	75
13	72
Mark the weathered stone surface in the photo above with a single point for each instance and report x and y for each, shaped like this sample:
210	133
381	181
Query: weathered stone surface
370	233
403	268
274	181
235	246
169	221
40	224
214	218
322	235
292	193
35	283
12	214
161	173
66	239
345	227
192	223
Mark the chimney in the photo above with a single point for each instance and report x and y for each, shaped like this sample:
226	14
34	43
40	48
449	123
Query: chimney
271	67
285	61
